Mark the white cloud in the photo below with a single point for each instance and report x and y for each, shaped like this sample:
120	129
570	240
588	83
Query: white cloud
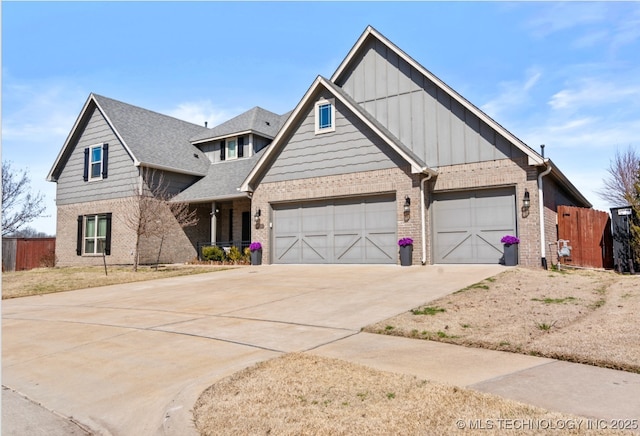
590	92
32	113
556	17
198	112
628	29
513	94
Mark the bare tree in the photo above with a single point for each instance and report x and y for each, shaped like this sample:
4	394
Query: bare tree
622	176
19	205
151	213
622	188
29	232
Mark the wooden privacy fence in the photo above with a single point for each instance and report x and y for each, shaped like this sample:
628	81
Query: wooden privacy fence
589	234
20	254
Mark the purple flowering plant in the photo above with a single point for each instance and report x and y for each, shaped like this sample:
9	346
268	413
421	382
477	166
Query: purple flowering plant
255	246
403	242
510	240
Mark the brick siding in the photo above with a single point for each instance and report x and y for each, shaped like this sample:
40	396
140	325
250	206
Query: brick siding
176	246
482	175
395	180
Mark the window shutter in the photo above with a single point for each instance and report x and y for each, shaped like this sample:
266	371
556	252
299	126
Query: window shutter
107	241
79	237
222	147
241	146
86	164
105	159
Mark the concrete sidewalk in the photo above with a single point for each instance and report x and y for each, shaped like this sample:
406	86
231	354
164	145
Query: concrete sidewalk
572	388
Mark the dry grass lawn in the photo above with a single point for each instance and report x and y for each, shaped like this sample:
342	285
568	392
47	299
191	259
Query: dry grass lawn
301	394
47	280
581	316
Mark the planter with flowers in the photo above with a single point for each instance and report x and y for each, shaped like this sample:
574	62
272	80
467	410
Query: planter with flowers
510	244
256	253
406	251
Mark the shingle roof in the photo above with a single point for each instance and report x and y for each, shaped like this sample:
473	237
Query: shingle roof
257	120
155	139
222	181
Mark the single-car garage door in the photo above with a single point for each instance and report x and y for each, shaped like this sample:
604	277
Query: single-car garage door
468	226
337	231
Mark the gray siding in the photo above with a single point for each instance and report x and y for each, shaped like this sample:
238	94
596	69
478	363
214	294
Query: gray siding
174	183
212	149
259	143
352	148
121	180
424	117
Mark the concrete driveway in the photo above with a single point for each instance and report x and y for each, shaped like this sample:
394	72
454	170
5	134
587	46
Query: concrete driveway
132	359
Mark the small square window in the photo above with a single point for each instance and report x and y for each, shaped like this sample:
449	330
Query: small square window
325	118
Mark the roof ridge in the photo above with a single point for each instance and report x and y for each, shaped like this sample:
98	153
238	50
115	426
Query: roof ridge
98	97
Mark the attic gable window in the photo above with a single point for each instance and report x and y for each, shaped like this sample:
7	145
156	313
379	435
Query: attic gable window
95	162
325	117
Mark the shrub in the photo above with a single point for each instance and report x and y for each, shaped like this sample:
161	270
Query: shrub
235	254
213	253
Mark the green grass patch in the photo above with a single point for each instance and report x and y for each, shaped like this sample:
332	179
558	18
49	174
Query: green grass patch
545	326
554	300
429	310
479	285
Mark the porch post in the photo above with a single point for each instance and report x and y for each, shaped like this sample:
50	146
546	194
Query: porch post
213	222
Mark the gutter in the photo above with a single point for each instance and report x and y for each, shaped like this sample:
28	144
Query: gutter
423	217
543	258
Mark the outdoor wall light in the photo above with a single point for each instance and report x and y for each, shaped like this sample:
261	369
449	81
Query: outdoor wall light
256	218
526	204
407	208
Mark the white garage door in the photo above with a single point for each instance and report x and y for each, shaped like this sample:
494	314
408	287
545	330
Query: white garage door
338	231
468	225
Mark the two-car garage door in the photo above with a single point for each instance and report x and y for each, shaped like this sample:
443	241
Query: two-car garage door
468	225
336	231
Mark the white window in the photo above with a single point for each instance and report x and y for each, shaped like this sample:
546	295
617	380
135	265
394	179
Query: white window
325	117
95	164
95	233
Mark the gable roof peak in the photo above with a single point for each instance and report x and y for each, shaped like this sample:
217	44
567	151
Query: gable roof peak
256	119
534	157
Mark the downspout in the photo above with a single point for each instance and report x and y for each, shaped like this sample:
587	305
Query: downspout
543	258
423	218
214	222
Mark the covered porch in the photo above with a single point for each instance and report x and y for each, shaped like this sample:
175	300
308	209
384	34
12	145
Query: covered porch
228	224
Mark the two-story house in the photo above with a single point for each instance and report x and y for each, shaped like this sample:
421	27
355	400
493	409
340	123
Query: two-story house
381	150
113	152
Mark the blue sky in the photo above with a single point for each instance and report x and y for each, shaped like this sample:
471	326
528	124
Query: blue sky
562	74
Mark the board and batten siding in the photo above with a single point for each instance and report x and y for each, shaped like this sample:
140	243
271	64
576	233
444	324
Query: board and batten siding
423	116
353	147
122	174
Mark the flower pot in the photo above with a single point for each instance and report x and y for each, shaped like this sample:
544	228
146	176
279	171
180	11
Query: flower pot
510	254
256	257
406	255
